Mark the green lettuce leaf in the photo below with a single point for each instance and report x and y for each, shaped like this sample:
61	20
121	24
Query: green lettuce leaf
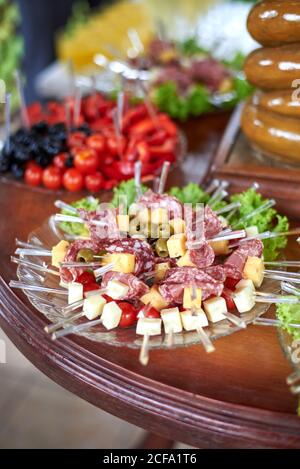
127	189
78	229
192	193
289	314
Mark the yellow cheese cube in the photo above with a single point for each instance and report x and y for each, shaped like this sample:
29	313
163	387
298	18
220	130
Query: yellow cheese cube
159	215
155	299
188	303
177	225
143	215
123	262
185	261
220	247
123	222
176	245
254	270
59	252
160	270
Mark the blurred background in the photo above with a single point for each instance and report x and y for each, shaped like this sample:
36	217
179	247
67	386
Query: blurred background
49	41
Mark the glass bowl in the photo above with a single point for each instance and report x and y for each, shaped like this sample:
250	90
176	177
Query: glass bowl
50	304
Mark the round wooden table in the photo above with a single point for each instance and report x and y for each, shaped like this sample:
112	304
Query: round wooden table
236	397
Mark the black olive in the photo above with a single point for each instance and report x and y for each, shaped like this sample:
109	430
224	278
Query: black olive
17	170
5	161
21	153
69	163
20	135
42	159
40	127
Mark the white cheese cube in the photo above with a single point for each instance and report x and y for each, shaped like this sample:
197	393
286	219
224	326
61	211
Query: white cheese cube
171	319
177	225
176	245
150	326
245	283
220	247
93	306
244	299
75	292
116	290
111	315
251	231
191	321
214	308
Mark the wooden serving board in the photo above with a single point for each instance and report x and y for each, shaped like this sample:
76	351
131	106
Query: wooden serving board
237	162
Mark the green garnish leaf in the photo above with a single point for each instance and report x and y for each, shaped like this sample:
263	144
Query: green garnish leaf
127	189
289	314
192	193
79	229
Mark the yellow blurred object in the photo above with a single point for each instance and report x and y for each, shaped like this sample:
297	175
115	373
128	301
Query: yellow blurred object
105	32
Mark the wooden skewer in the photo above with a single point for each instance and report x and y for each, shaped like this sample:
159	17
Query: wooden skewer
293	378
290	288
228	208
235	320
25	244
32	252
204	339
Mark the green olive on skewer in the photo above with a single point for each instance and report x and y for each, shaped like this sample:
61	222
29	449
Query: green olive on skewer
161	248
85	255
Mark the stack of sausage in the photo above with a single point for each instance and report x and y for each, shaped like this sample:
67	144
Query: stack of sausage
271	118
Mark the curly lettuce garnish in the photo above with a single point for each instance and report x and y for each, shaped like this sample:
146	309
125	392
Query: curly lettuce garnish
268	220
126	189
289	314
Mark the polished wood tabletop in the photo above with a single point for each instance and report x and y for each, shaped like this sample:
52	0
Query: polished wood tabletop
236	397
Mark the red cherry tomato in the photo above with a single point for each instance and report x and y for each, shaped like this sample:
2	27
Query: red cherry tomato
60	160
152	313
116	145
86	161
230	283
33	175
90	287
97	143
52	178
76	139
73	180
86	278
227	295
129	314
94	182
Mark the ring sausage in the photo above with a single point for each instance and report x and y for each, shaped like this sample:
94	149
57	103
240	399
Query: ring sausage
273	67
281	102
273	23
272	133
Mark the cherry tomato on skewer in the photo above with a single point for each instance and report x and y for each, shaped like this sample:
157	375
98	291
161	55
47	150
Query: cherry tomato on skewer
90	287
86	277
129	314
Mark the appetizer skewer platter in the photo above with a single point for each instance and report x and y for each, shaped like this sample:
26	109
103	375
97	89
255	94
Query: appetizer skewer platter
153	270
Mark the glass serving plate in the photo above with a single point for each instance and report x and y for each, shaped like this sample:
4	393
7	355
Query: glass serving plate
50	304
